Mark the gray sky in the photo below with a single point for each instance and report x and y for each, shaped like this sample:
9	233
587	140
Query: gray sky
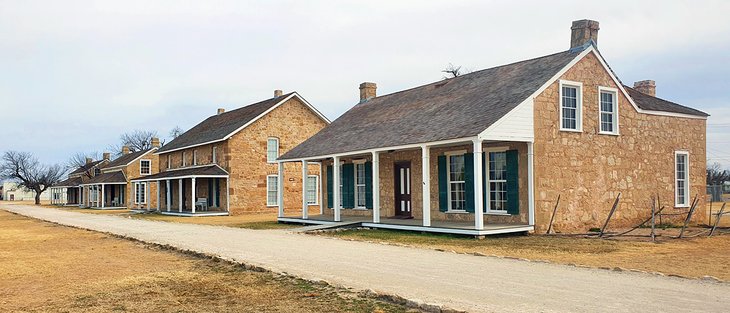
74	75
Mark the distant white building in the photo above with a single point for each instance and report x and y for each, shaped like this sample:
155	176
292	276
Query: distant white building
9	191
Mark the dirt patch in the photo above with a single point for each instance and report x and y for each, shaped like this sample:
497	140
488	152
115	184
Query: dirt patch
694	257
45	267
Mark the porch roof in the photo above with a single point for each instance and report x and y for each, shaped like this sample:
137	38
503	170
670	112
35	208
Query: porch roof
212	170
69	182
459	107
116	177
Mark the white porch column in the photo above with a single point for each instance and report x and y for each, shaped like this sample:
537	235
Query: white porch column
376	187
103	196
336	188
192	195
180	195
478	183
158	195
530	184
168	195
321	193
305	204
426	192
280	189
228	195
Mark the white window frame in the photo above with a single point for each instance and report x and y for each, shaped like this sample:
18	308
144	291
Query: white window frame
448	155
316	190
268	151
268	185
214	155
137	195
184	162
488	180
579	105
149	167
357	163
195	157
685	179
613	91
169	161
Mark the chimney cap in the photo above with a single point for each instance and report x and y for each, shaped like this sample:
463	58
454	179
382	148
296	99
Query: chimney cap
220	111
278	93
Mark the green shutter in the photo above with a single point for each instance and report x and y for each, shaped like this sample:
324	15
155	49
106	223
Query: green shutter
369	185
210	192
443	184
485	183
329	186
469	181
348	185
513	185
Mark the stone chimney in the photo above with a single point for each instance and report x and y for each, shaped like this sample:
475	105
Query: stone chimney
367	91
278	93
107	156
125	150
583	31
155	142
89	160
221	111
647	87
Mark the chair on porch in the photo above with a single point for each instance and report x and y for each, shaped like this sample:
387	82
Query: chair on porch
115	202
202	203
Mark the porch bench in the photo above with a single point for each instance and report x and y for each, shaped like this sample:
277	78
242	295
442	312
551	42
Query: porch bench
202	203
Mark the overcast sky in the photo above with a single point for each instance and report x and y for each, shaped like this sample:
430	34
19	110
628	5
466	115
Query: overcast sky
75	75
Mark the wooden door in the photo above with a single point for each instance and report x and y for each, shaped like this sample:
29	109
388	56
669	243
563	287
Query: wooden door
402	192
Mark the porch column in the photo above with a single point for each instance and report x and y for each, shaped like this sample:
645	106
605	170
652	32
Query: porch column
103	196
168	195
376	187
180	195
478	183
158	195
530	184
192	194
280	189
228	195
321	193
305	204
336	188
426	192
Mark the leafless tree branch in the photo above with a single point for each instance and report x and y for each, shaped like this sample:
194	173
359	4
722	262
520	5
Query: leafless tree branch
25	169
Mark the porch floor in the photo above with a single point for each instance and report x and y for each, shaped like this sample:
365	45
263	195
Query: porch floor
188	212
106	208
445	227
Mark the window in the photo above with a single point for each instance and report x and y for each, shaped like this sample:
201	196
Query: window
360	196
140	193
213	157
456	175
571	118
144	167
608	109
497	181
312	188
272	190
272	150
169	161
183	159
195	157
681	162
97	171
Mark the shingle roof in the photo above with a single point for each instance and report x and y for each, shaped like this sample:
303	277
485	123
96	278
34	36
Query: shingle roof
217	127
69	182
647	102
126	158
116	177
82	169
207	170
455	108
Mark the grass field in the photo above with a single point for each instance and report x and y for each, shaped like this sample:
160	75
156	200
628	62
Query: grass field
694	257
49	268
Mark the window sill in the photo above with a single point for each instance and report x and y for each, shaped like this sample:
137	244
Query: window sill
312	204
497	213
272	205
359	209
571	130
457	212
607	133
681	206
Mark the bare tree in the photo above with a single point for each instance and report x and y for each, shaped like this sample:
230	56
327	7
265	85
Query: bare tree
716	175
175	132
78	160
454	71
137	140
24	168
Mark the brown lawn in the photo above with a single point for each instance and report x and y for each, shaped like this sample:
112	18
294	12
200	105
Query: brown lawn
50	268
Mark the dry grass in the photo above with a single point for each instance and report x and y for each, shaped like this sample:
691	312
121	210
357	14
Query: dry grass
694	257
50	268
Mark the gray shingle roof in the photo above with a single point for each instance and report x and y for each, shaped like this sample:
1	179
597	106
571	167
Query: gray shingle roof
86	167
126	158
647	102
219	126
455	108
208	170
116	177
69	182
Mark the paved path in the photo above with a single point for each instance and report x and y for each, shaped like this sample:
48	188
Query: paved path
455	281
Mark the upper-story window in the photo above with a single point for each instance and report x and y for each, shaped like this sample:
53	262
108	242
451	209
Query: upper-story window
214	155
608	108
97	171
169	161
184	162
571	106
195	157
145	167
272	150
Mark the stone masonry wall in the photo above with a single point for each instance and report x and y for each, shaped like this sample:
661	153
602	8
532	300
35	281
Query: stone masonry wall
132	172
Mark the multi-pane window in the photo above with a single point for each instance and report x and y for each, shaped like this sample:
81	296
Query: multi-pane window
272	190
144	167
682	178
497	181
272	150
570	107
140	193
184	162
608	112
312	186
195	157
169	161
457	183
360	198
214	155
97	171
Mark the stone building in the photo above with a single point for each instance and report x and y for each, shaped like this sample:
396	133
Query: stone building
72	191
491	151
227	163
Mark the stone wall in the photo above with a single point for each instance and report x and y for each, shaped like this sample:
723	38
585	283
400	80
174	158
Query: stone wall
132	172
589	169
